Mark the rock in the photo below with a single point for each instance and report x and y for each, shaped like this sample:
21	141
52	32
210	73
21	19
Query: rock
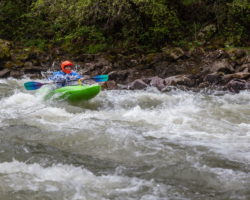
110	85
102	62
16	74
222	66
33	69
239	75
19	55
119	75
198	52
213	78
155	82
173	53
236	85
165	69
244	60
243	68
235	54
217	54
137	84
204	85
152	58
13	64
4	73
179	80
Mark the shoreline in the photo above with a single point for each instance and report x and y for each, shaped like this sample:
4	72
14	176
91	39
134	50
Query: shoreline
194	69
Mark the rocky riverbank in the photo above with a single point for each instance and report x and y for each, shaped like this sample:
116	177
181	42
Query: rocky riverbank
185	69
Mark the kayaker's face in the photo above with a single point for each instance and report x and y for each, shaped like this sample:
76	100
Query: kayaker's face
68	68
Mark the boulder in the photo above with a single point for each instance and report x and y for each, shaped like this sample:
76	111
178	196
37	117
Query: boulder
173	53
179	80
235	54
155	82
5	72
19	55
222	66
137	84
244	60
213	78
120	75
16	74
243	68
110	85
236	85
239	75
13	64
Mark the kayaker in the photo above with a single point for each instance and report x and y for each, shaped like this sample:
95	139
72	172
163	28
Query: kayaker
66	76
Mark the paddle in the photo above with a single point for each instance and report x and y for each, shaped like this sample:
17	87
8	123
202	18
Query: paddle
32	85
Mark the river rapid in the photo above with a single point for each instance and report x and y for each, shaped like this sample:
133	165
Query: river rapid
124	145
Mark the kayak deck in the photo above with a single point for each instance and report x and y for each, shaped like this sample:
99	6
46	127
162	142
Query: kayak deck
75	93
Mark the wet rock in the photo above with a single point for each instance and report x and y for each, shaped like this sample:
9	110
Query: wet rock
179	80
110	85
155	82
137	85
4	73
33	69
239	75
16	73
204	85
236	85
213	78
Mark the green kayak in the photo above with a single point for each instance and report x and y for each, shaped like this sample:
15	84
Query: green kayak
75	93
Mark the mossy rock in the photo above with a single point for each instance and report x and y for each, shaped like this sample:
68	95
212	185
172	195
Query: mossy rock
236	53
14	64
19	55
151	57
23	54
173	53
4	49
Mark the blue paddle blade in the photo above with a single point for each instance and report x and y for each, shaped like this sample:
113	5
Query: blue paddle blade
101	78
32	85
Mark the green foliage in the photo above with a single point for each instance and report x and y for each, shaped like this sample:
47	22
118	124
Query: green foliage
238	25
95	25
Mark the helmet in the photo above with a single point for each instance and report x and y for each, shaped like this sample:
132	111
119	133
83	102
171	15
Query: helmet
64	64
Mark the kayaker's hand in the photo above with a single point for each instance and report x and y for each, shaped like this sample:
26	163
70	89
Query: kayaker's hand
84	78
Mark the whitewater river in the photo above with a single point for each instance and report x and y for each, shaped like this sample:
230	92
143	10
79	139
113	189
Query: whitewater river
124	145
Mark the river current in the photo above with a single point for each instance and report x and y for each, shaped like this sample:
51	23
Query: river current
124	145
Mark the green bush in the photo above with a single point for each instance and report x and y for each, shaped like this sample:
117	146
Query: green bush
95	25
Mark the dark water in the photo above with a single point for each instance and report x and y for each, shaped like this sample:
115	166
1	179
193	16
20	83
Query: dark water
124	145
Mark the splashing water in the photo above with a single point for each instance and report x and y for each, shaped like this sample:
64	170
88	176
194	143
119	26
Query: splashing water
124	145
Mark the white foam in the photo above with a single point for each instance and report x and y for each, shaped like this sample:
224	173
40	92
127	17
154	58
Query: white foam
70	180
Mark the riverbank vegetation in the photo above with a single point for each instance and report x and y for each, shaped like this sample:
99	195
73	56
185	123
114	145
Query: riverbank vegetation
91	26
